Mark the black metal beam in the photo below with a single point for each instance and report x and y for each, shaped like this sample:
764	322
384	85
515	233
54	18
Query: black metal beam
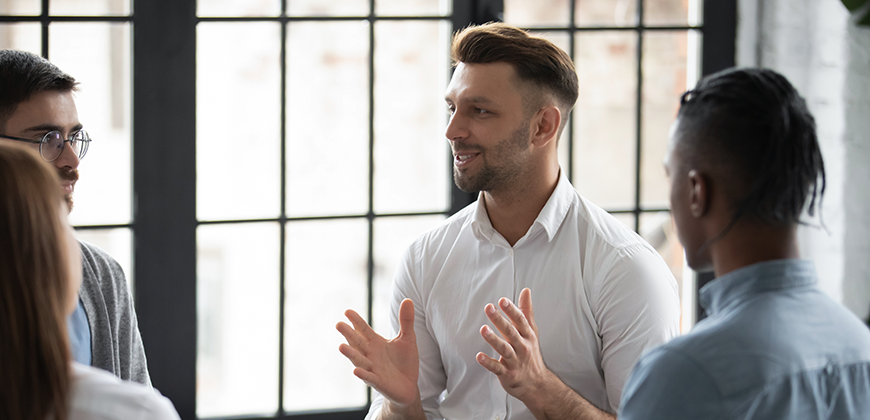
720	35
164	181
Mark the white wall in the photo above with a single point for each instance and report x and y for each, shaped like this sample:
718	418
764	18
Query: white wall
826	56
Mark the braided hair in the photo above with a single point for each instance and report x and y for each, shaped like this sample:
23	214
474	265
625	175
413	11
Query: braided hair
757	128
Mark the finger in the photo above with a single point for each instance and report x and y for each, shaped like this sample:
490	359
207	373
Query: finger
518	319
498	344
359	324
525	303
502	324
406	319
355	356
352	337
490	364
368	377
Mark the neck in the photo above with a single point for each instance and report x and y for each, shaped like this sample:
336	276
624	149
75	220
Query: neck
749	244
513	210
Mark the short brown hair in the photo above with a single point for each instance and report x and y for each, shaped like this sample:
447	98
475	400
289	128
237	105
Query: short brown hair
24	74
534	59
34	289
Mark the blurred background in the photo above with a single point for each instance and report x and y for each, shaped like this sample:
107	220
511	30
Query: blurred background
259	166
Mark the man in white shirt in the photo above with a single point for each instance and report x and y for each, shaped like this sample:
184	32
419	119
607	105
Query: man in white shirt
603	295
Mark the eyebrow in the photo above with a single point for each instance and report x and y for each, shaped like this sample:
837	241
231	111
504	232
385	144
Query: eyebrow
473	99
52	127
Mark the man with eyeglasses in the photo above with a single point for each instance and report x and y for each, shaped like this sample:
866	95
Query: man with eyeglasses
37	107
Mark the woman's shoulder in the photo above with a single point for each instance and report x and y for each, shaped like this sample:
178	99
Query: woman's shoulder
99	395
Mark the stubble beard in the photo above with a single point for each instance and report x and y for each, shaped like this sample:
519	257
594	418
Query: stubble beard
494	177
68	175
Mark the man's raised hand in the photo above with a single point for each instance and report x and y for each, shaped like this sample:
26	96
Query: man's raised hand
389	366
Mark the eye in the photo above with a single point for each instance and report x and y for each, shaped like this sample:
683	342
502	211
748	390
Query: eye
480	111
451	109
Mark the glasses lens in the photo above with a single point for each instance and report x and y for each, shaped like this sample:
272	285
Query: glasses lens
52	146
79	142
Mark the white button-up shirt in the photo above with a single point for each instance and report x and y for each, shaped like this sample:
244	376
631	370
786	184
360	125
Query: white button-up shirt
601	296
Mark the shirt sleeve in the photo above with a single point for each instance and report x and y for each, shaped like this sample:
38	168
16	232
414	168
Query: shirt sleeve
668	385
433	379
636	307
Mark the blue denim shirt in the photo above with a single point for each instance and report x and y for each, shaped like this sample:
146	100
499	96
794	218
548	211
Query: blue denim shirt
774	346
79	335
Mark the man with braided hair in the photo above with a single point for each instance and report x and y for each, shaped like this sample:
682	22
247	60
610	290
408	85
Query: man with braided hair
743	159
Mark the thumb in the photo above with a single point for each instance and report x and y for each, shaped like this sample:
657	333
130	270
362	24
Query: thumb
525	305
406	319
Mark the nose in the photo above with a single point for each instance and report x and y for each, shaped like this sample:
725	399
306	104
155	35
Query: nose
67	158
456	129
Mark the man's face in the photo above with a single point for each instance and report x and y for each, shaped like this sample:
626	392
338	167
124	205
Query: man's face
688	229
49	111
488	129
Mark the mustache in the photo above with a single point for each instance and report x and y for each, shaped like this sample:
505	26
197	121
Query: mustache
466	148
68	174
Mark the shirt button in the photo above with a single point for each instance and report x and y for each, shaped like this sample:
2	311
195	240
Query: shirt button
497	417
512	253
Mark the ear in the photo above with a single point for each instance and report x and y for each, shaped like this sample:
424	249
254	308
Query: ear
699	194
545	125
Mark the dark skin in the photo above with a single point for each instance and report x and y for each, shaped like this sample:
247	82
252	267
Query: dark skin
702	207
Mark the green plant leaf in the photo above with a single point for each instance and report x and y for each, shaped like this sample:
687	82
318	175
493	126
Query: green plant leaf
854	5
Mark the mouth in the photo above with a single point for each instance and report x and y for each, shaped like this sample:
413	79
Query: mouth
68	187
461	159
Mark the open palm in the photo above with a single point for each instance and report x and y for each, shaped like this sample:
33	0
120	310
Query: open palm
389	366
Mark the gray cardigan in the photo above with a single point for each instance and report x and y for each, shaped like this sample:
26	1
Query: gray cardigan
116	345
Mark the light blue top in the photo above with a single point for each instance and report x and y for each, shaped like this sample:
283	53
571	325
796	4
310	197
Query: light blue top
774	346
79	335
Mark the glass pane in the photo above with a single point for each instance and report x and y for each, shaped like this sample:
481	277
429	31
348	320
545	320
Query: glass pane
665	77
671	12
412	159
238	7
526	13
20	7
237	298
238	114
605	118
327	8
117	242
658	229
606	13
327	118
392	237
21	36
327	264
98	56
89	8
413	7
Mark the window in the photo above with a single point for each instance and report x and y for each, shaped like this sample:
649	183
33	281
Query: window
270	160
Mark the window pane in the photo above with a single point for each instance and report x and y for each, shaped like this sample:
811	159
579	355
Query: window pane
238	111
605	118
117	242
327	118
658	229
89	8
238	7
327	8
20	7
237	298
671	12
666	73
21	36
413	7
526	13
626	219
98	56
412	161
326	274
606	13
392	237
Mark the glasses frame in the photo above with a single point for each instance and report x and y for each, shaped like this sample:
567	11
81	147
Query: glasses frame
45	139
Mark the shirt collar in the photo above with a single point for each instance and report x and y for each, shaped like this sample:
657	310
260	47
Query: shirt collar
550	218
748	281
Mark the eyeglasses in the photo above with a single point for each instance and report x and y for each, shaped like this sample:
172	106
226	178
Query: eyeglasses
51	145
